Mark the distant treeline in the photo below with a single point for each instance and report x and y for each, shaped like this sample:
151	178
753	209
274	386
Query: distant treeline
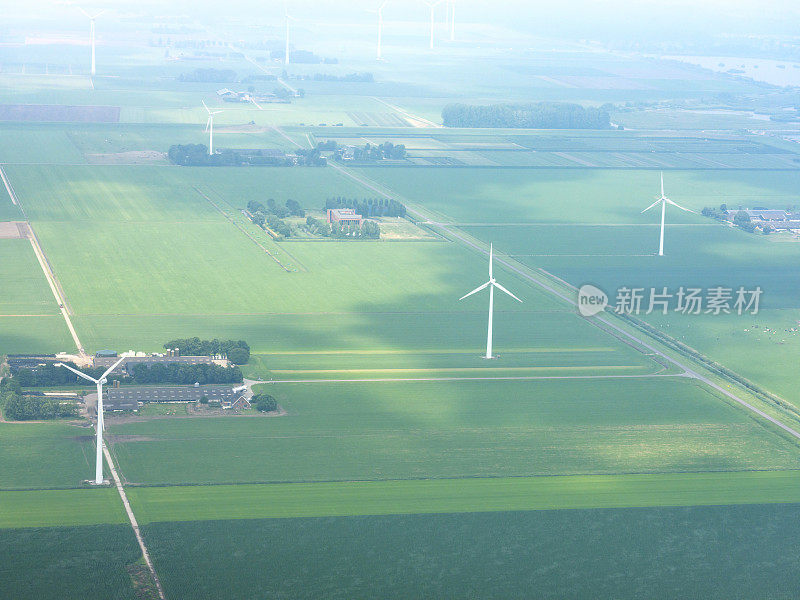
368	152
160	372
369	207
302	57
209	76
350	77
368	229
235	350
182	373
196	155
538	115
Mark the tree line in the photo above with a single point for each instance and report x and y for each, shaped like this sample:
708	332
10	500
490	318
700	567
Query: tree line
371	152
368	207
184	374
535	115
239	349
196	155
209	76
368	229
272	215
19	407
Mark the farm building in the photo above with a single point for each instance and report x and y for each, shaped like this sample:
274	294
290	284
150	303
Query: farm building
344	216
227	395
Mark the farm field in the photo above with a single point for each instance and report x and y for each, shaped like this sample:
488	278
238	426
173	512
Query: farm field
461	555
410	430
90	561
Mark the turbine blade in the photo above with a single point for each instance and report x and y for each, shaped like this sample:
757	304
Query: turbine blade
111	368
84	375
475	291
676	205
204	106
502	289
491	258
84	12
662	184
652	205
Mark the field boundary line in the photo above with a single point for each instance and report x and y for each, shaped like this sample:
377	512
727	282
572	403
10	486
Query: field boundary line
572	302
134	524
499	378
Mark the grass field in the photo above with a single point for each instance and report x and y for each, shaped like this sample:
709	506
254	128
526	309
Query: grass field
25	290
361	431
612	553
88	562
45	455
60	508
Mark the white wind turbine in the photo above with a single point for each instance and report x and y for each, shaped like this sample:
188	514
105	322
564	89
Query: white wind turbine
288	19
210	127
664	201
432	6
491	284
451	16
91	21
98	471
380	26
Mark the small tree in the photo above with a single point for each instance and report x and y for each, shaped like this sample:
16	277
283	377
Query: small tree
204	399
264	403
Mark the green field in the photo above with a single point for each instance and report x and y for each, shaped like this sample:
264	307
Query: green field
56	508
407	430
573	554
68	562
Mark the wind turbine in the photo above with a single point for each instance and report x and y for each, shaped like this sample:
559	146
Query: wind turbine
432	6
451	16
210	127
491	284
288	18
98	472
380	26
91	20
664	201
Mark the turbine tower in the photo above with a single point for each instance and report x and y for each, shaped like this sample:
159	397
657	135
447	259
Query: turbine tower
664	201
491	284
98	471
210	127
91	35
432	6
451	15
288	18
380	27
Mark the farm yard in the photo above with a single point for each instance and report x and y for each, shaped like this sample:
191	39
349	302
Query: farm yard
593	457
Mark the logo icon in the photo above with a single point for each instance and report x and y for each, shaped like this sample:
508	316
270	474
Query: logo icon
591	300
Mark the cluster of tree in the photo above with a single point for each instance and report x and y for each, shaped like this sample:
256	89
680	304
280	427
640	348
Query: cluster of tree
259	77
29	408
264	403
49	375
237	351
185	374
350	77
272	215
367	230
302	57
209	76
196	155
740	218
372	152
369	207
537	115
311	157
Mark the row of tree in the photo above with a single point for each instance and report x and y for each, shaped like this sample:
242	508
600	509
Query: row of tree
364	77
18	407
237	351
367	230
184	374
196	155
372	152
290	208
369	207
536	115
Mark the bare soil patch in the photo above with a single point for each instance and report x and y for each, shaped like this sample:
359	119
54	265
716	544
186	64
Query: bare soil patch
13	230
134	157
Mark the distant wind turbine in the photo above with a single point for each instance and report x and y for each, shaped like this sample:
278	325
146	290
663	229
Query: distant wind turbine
380	26
491	284
432	6
98	471
664	201
288	19
91	21
210	127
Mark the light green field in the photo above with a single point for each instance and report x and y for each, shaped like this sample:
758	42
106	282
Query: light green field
25	290
60	508
409	430
292	500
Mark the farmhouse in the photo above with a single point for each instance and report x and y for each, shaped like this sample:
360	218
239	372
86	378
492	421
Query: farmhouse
227	395
344	216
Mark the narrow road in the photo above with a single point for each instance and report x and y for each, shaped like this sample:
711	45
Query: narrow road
134	523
